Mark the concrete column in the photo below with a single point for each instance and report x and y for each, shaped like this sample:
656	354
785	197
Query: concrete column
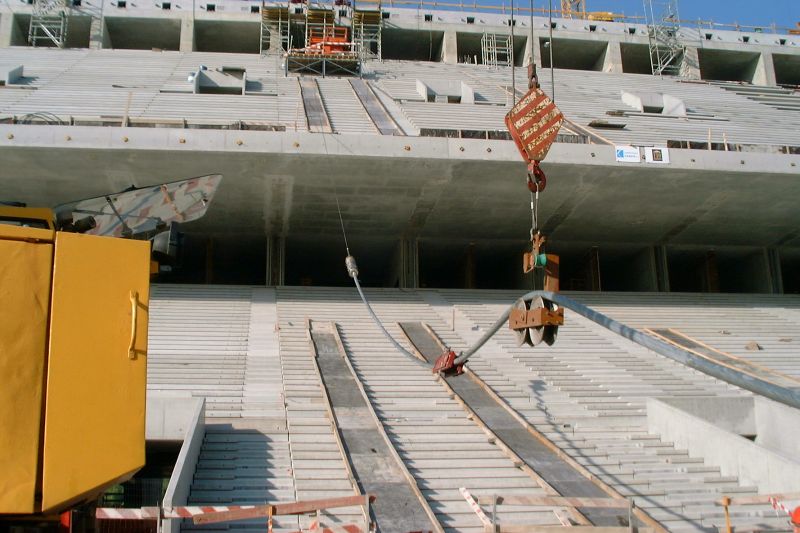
612	60
775	271
10	34
469	267
98	34
409	263
536	50
690	65
187	35
662	268
528	56
765	70
276	260
644	271
449	52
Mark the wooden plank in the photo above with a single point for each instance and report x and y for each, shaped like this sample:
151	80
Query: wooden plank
282	509
556	501
521	528
760	498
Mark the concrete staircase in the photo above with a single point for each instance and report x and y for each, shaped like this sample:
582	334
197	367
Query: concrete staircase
268	435
440	446
587	394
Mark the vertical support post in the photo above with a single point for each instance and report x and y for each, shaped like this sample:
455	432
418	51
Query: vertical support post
775	270
276	260
187	42
662	267
726	501
409	263
469	267
209	260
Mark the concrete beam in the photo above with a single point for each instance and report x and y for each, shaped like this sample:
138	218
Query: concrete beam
765	70
690	64
612	60
10	34
449	53
99	37
187	35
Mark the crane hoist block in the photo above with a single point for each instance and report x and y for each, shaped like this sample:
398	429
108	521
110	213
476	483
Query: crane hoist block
533	123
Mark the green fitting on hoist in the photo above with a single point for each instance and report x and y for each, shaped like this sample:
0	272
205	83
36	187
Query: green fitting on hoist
541	260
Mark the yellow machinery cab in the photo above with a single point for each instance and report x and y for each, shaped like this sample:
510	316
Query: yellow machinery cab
73	340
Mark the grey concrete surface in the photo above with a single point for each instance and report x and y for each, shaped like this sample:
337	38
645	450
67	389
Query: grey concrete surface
272	177
770	471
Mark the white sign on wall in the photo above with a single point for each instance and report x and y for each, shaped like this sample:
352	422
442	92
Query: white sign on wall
627	154
656	154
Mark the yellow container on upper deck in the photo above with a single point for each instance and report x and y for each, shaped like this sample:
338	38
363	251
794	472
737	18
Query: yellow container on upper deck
73	346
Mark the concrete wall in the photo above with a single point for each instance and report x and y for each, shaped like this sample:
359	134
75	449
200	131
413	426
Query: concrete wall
777	427
752	463
180	482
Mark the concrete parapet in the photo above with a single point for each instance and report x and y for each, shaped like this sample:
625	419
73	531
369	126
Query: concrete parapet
177	493
716	430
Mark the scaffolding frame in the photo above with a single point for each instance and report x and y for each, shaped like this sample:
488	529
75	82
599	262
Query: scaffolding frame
276	20
663	24
497	50
367	28
573	8
49	22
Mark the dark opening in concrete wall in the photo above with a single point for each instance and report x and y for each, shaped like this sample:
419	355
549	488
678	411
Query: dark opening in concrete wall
628	269
235	37
472	265
727	65
78	30
733	271
143	33
636	58
470	48
574	54
411	44
219	259
787	69
320	262
579	266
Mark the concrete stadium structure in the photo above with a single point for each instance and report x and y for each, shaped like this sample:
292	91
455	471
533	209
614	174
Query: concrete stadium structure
268	382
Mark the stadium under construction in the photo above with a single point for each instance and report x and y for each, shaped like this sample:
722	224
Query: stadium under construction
662	390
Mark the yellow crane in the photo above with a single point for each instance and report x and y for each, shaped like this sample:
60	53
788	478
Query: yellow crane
73	341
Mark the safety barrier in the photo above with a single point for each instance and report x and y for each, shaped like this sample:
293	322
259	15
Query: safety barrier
491	525
779	502
212	514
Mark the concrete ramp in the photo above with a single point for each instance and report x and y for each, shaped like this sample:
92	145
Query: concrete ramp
377	113
317	117
375	467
